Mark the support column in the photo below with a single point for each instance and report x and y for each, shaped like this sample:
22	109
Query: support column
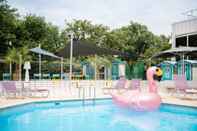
71	54
62	68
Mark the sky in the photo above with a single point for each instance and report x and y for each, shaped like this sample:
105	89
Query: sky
157	15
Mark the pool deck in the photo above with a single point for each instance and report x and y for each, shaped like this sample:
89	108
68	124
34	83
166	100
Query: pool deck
5	103
63	93
178	101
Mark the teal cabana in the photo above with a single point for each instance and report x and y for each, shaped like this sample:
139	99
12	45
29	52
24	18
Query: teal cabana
88	70
104	72
168	68
118	69
190	69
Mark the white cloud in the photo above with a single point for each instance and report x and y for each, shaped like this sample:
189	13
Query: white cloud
158	15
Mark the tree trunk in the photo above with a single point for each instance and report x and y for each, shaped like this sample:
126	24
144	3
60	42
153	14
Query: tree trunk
16	73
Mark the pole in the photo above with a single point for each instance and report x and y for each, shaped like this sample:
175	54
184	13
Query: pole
20	69
71	54
61	68
95	68
95	79
10	43
187	44
40	66
183	73
10	70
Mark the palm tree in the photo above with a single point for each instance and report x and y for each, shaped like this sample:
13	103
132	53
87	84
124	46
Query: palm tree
17	56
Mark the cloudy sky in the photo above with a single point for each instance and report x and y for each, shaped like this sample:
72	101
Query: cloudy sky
158	15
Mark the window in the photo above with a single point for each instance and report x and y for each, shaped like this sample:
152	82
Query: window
193	40
181	41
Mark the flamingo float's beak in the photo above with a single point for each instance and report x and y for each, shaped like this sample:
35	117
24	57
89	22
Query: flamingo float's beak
158	74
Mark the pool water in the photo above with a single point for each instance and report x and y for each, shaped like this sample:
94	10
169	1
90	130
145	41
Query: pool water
102	115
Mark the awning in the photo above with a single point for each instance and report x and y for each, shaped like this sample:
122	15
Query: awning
177	52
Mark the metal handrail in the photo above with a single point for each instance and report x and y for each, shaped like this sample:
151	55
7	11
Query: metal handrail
83	90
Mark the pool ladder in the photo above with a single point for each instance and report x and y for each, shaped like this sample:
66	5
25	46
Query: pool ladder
87	92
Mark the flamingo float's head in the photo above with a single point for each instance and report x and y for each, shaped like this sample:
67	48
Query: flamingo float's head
154	73
157	74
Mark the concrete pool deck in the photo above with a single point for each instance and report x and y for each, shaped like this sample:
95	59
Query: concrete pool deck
61	92
4	103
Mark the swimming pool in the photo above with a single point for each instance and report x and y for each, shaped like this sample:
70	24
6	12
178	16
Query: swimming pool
102	115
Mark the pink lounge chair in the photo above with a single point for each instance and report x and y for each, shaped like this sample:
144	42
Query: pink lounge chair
135	84
36	92
41	92
10	89
182	87
120	85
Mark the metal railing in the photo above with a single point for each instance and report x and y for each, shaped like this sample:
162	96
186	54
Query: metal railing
86	90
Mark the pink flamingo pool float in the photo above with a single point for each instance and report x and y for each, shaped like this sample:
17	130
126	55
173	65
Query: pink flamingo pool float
141	101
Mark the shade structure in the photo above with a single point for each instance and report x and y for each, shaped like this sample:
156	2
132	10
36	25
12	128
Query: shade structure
85	48
180	51
40	51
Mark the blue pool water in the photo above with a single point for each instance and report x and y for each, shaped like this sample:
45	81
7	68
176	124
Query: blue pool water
103	116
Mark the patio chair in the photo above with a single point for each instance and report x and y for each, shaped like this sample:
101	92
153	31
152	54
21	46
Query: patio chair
6	76
55	76
36	76
46	76
134	84
39	93
36	92
120	86
182	87
10	90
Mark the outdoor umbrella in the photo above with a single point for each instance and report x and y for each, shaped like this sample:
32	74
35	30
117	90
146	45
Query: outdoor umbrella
27	67
180	51
40	51
84	48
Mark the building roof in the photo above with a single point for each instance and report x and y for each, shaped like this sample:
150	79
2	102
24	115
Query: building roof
183	21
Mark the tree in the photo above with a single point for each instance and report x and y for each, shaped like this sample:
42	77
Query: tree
52	41
17	55
84	29
137	40
161	43
8	17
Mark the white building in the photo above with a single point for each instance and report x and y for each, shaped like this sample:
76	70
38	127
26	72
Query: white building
184	33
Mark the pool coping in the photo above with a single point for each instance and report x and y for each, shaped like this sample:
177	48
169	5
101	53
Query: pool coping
179	105
46	101
22	103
